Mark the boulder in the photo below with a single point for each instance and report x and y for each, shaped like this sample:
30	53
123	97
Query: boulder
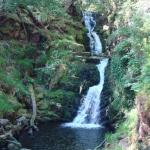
4	122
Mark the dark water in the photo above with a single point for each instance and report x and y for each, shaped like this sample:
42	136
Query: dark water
53	137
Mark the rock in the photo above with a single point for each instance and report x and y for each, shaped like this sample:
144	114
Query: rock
8	127
43	105
124	143
4	122
105	27
143	115
13	146
58	105
2	131
23	112
22	121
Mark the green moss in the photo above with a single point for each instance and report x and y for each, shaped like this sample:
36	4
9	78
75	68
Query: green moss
61	96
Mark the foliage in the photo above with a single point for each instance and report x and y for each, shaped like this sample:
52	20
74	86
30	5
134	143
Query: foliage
8	103
54	7
125	130
117	70
61	96
129	64
25	61
96	5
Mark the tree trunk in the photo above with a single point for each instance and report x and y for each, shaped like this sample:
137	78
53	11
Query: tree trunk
34	112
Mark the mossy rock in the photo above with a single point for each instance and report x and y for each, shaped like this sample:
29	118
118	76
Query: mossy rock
43	105
82	73
47	114
23	112
80	37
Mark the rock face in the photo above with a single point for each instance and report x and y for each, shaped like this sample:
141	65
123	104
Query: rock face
106	96
68	3
70	7
12	146
143	115
124	143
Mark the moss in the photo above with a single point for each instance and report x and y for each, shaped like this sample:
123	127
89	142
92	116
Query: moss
60	96
79	73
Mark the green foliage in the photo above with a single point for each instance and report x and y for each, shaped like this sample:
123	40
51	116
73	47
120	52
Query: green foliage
125	129
131	55
5	106
24	62
96	5
61	96
8	103
130	70
63	100
14	65
117	70
54	7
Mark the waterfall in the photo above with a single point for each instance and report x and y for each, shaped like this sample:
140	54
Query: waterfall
89	112
95	43
89	21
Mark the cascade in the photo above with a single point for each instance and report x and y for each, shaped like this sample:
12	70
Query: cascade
89	112
95	43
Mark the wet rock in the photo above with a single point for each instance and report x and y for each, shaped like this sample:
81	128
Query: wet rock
4	122
13	146
22	121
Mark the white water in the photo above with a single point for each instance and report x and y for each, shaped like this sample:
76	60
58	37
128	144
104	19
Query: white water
89	112
98	46
89	21
95	42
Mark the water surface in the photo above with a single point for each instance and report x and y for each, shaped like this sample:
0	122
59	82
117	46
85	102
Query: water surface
52	136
